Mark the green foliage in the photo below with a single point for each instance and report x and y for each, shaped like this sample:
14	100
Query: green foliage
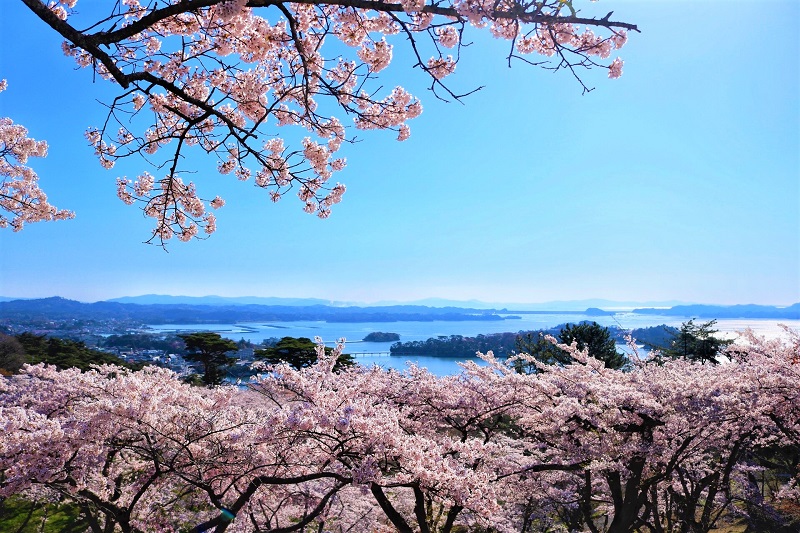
587	335
696	342
210	351
535	344
243	344
144	341
23	516
457	345
380	336
64	353
12	355
596	339
655	337
299	353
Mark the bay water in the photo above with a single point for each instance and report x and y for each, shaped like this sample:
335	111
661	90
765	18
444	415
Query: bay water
377	353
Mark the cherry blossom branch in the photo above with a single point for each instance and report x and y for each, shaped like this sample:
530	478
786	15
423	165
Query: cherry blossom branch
227	74
221	523
20	195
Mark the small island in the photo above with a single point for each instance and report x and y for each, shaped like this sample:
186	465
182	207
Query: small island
379	336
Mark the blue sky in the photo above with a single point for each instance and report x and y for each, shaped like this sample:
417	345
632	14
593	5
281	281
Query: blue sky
680	180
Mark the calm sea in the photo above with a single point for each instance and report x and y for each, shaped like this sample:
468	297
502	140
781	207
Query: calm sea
370	353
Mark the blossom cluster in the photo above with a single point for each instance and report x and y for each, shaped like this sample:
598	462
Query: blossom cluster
566	449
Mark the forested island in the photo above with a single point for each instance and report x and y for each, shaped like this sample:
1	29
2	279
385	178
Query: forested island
380	336
654	337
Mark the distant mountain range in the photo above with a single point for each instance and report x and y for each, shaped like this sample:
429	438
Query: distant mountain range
161	299
57	308
560	305
791	312
156	309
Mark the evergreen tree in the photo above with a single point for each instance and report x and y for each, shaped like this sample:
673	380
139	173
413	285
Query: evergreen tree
210	350
536	345
12	355
595	338
299	353
587	335
696	342
64	353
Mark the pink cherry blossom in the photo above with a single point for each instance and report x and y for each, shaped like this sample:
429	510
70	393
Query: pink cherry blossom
574	447
441	67
448	36
615	70
412	6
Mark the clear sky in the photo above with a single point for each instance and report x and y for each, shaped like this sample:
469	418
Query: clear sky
678	181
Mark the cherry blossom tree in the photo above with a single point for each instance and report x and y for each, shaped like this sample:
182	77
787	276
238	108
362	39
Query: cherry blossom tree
224	76
579	447
143	452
